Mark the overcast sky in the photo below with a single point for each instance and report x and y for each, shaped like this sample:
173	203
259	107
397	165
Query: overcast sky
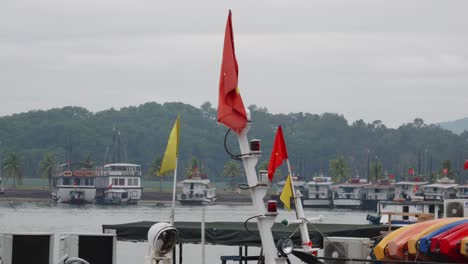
387	60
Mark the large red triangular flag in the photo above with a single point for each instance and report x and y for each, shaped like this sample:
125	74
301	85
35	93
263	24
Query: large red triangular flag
231	110
278	154
465	166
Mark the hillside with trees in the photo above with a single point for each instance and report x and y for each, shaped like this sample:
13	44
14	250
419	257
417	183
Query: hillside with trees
324	143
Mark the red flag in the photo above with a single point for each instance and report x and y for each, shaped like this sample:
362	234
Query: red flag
445	171
278	154
391	176
411	171
465	166
231	110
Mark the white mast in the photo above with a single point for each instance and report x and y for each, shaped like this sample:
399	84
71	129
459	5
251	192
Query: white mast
258	192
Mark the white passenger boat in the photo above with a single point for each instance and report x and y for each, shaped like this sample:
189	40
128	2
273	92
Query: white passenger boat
118	183
319	193
444	188
408	190
350	194
196	191
74	186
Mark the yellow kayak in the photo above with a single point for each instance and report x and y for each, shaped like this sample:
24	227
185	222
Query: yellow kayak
379	249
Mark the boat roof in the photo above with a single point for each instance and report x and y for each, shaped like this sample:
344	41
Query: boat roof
296	183
320	183
411	202
234	233
462	186
441	185
410	183
352	185
201	181
379	186
121	165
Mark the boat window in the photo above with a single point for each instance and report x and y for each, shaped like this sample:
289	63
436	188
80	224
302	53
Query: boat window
135	182
121	181
115	181
66	181
77	181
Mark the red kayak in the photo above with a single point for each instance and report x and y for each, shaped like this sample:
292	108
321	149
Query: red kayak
435	241
450	245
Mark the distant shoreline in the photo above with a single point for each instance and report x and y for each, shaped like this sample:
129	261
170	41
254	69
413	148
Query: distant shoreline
148	197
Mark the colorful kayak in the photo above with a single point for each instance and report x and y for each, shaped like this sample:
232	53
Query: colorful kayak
464	247
425	242
379	249
450	245
396	246
435	241
413	240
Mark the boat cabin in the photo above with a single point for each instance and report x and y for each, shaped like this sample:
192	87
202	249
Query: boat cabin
462	191
407	190
381	191
196	191
73	184
349	194
412	208
319	187
299	185
443	189
118	183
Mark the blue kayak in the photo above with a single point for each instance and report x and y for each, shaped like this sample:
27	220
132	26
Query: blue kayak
425	242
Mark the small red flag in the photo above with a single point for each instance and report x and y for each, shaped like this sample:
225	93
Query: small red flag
278	154
391	176
465	166
411	171
231	110
445	171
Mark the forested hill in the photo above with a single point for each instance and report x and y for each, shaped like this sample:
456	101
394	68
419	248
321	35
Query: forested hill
457	126
312	140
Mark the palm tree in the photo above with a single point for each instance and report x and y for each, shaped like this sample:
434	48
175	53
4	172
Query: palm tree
376	171
153	170
47	166
87	162
13	168
232	170
338	169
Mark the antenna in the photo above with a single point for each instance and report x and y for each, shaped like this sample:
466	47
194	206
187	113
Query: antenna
113	144
118	146
105	155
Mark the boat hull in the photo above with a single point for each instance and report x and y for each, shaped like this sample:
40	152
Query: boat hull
75	195
317	203
118	196
347	203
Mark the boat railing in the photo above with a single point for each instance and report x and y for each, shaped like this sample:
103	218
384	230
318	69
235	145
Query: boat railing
420	217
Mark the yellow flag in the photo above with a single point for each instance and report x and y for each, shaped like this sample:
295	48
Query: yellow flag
169	161
287	193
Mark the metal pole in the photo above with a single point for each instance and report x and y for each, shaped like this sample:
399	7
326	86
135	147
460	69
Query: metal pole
118	146
203	234
300	215
368	165
419	163
113	145
174	193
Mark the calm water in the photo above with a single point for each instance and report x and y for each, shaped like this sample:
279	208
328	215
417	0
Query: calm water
50	217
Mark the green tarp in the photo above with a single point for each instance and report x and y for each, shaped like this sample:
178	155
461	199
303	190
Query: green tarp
234	233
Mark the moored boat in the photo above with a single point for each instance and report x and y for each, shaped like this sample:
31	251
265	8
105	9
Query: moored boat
376	192
350	194
196	191
444	188
74	186
319	193
118	183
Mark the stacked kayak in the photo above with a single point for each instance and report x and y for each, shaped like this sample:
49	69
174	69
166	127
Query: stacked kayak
440	240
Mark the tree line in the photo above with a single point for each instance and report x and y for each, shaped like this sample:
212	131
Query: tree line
317	143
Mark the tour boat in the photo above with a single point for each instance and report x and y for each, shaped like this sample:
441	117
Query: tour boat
405	212
444	188
380	191
74	186
409	190
319	192
196	191
118	183
349	194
